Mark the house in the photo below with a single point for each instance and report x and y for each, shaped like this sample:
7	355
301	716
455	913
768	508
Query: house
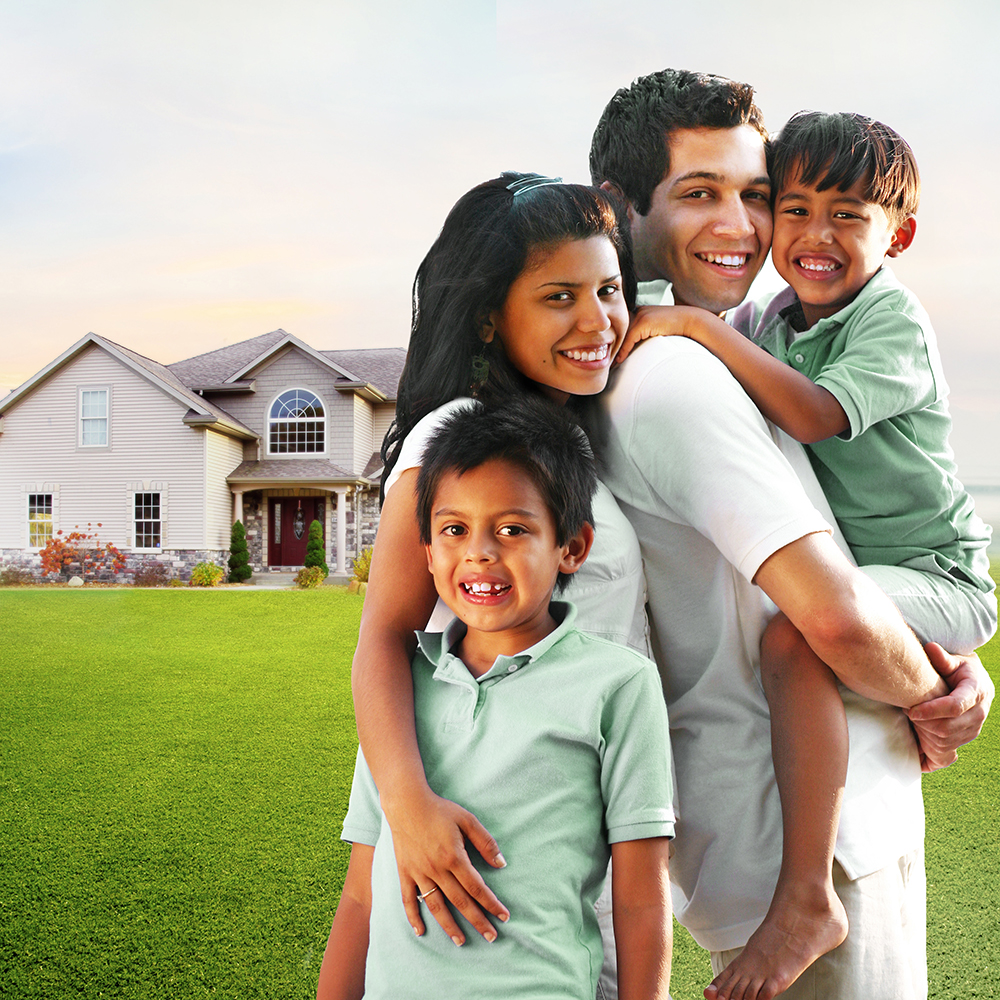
165	458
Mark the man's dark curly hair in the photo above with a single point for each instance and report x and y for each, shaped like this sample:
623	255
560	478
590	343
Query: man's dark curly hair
631	146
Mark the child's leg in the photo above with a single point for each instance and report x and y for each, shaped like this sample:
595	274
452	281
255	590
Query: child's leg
809	747
342	974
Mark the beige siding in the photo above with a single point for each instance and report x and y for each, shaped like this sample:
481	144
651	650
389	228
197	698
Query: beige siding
384	414
292	369
222	455
149	444
363	433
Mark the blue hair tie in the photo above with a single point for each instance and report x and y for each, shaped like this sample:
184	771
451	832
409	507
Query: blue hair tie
531	181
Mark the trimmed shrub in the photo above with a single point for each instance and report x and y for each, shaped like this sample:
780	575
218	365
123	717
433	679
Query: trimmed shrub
239	555
206	574
315	556
151	575
15	576
362	565
310	576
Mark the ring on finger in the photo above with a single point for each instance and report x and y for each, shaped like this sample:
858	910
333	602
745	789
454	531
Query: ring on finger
423	895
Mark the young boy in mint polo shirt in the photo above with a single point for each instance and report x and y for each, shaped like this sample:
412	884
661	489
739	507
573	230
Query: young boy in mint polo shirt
845	361
558	741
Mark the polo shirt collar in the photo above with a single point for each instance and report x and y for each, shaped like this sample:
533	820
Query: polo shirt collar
437	648
882	280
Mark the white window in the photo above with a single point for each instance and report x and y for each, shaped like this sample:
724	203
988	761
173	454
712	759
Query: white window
94	418
39	519
148	522
297	424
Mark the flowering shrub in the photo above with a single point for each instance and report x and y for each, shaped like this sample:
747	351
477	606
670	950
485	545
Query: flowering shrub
206	574
362	564
310	576
82	553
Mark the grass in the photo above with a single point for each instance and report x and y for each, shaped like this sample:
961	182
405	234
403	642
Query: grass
174	768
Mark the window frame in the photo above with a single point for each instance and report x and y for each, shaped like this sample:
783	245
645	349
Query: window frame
32	543
137	520
320	422
81	417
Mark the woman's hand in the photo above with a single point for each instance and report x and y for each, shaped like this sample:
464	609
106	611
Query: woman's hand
429	834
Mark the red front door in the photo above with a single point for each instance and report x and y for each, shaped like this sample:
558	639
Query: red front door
288	523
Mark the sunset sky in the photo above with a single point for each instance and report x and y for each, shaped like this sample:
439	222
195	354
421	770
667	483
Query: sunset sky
181	175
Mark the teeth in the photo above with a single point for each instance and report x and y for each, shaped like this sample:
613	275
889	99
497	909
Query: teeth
486	588
598	354
816	265
725	259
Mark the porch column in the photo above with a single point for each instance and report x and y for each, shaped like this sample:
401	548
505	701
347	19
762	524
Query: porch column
341	492
237	506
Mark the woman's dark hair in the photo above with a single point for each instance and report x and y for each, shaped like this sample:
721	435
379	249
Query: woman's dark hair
484	245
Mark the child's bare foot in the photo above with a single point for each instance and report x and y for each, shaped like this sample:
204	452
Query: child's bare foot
799	927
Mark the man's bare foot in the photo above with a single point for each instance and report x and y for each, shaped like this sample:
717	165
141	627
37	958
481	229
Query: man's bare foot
799	927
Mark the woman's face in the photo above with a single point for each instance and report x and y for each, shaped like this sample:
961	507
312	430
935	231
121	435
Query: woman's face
564	317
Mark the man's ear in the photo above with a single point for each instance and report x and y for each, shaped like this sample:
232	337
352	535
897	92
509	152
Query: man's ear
576	549
430	560
903	237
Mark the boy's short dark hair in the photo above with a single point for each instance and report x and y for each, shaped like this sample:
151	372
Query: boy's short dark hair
838	150
530	432
631	145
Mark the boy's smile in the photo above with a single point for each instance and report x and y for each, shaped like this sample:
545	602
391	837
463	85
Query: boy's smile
494	558
828	244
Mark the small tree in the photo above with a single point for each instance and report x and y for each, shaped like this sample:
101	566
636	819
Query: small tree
315	556
239	555
81	552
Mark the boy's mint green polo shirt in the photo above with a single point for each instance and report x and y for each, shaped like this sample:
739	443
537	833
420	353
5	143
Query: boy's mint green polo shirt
559	751
891	478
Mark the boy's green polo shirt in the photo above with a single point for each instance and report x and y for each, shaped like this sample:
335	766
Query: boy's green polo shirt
559	751
891	477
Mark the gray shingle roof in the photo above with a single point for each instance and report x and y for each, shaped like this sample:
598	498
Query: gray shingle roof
168	377
381	366
291	468
216	366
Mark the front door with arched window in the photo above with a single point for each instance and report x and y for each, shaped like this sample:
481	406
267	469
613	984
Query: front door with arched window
288	528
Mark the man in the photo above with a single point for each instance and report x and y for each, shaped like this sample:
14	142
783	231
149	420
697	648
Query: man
719	509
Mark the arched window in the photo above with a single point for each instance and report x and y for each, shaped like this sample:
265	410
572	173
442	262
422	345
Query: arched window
297	424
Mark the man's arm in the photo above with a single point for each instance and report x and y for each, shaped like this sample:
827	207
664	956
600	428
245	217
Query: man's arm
802	409
342	974
640	888
858	632
848	622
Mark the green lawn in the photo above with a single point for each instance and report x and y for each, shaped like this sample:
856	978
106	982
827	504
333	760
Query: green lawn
174	767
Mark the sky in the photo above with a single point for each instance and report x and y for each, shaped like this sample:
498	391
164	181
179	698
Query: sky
178	176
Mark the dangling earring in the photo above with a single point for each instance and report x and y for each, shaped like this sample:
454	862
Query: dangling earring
480	372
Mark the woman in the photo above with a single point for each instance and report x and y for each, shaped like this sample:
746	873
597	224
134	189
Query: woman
527	289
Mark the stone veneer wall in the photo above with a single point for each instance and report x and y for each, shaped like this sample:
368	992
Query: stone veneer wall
253	522
179	562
